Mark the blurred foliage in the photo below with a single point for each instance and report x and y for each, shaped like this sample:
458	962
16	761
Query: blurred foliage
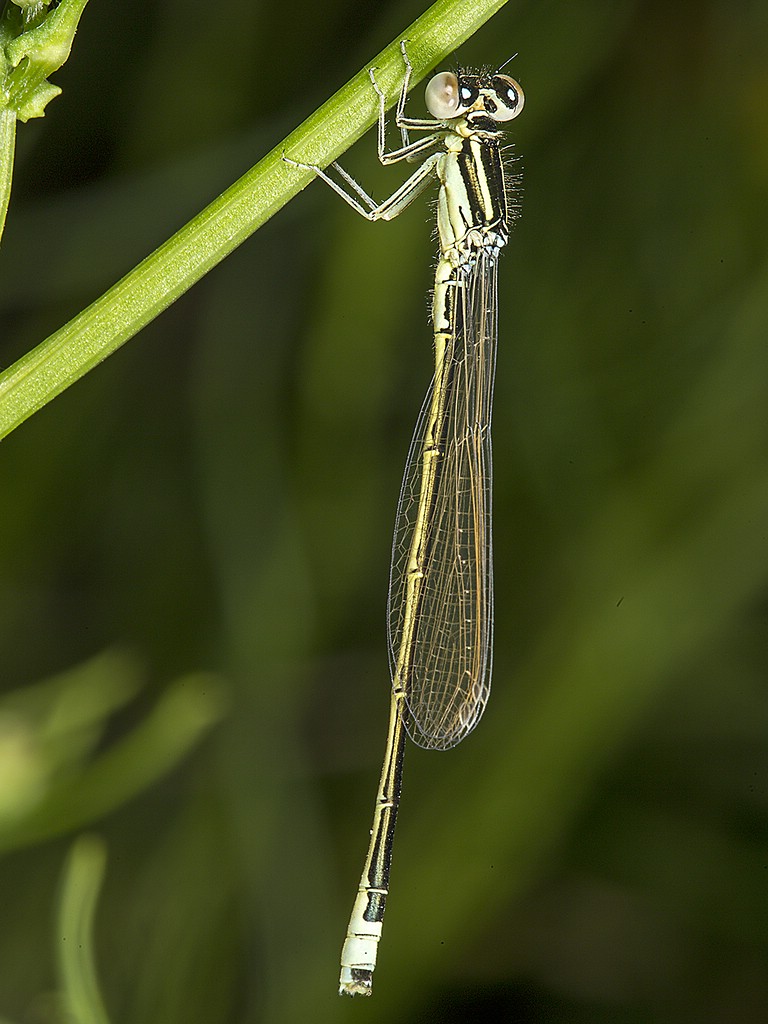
218	498
84	873
52	777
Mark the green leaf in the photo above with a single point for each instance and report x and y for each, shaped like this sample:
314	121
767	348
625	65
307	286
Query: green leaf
36	42
52	782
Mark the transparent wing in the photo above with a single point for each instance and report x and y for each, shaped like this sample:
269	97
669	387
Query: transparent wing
440	606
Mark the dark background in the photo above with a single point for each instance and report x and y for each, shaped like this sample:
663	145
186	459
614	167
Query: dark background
219	497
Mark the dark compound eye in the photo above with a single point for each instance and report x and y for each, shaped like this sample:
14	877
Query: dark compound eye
510	97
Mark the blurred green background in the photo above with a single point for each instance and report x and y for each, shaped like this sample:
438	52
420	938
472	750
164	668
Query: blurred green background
195	538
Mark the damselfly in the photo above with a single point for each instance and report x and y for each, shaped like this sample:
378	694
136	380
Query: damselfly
440	605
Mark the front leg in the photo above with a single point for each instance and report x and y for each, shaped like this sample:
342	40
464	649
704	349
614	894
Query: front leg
409	150
400	105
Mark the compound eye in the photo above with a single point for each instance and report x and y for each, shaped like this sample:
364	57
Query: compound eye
442	96
510	97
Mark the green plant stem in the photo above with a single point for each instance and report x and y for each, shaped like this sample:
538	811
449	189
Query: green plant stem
7	148
83	876
162	277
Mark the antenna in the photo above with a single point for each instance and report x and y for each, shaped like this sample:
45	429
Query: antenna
507	61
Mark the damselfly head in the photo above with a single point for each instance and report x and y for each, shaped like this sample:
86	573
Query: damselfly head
474	96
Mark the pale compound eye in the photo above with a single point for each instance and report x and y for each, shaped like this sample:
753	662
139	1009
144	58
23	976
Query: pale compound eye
509	96
442	96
